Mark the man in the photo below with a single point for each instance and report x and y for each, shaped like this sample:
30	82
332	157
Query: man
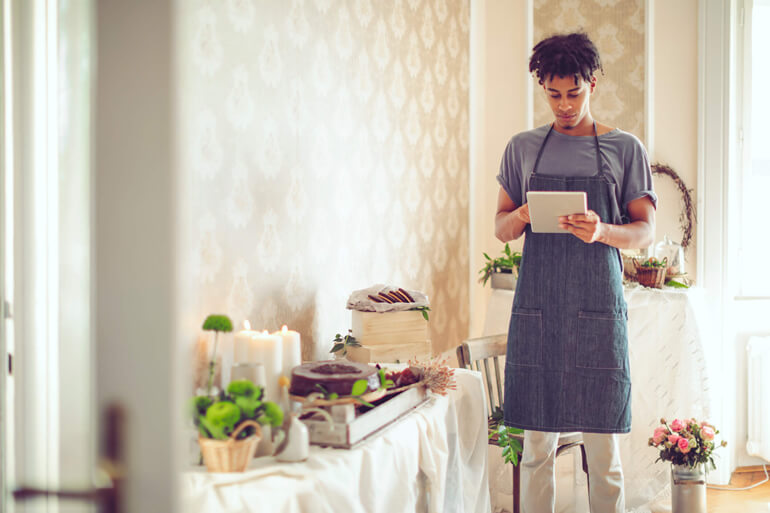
567	362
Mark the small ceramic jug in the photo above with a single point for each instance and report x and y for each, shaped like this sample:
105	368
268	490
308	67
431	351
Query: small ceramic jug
296	445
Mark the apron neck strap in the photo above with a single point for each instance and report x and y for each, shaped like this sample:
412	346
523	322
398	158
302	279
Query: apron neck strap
596	144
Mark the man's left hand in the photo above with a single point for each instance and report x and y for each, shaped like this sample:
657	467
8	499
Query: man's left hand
586	227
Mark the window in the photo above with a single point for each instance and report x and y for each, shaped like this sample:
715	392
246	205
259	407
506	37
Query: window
754	132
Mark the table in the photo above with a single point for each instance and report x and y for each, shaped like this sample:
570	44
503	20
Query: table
669	378
433	459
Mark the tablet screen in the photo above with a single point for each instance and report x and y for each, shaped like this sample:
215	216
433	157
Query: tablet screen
545	208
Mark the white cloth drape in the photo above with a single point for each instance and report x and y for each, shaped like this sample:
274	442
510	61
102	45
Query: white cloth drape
433	460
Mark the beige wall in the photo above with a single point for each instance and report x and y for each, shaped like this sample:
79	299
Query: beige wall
675	117
617	28
499	108
672	134
324	148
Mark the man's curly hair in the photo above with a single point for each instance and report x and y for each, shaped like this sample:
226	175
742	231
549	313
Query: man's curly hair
565	55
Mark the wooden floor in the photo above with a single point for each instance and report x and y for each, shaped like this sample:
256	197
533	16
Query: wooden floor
756	500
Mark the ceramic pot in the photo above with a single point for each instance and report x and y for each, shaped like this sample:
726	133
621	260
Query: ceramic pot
297	446
505	281
688	489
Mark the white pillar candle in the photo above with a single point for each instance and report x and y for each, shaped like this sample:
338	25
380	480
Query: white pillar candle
242	344
292	350
266	349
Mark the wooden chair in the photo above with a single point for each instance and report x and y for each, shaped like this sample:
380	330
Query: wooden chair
477	354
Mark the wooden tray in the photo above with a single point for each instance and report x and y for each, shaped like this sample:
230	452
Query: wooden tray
315	403
349	429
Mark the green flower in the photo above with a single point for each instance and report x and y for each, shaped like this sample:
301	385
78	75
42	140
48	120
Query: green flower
244	388
249	405
221	418
199	405
273	415
218	323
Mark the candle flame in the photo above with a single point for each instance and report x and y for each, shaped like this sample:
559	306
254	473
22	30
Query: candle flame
246	325
284	329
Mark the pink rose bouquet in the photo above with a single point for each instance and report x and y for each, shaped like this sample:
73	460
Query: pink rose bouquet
685	442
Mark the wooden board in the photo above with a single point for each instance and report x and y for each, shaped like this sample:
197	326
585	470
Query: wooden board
372	328
390	353
357	429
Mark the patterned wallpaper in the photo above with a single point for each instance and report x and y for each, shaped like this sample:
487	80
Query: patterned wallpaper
324	148
617	28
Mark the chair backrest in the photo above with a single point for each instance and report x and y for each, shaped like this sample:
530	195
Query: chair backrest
476	354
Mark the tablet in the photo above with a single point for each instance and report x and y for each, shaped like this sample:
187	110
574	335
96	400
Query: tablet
545	208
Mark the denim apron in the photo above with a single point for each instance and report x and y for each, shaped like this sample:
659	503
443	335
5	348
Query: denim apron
567	358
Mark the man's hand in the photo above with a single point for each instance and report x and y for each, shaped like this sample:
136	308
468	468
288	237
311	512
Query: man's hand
523	213
586	227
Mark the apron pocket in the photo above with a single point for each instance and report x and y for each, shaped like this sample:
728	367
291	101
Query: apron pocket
525	336
602	340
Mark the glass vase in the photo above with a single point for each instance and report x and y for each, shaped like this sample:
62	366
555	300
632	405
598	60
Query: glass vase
688	489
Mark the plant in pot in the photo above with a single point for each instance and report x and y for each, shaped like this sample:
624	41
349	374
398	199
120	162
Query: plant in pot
341	344
229	425
502	270
689	446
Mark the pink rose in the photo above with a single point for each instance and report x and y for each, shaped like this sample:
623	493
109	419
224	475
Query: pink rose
659	435
674	439
684	445
677	425
707	432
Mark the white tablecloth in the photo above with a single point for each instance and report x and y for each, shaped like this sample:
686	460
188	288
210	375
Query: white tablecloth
434	459
669	379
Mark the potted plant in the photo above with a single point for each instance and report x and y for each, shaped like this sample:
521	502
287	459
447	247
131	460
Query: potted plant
651	272
688	445
341	344
229	425
502	270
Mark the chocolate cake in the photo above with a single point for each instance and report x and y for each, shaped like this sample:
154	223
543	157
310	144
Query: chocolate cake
336	376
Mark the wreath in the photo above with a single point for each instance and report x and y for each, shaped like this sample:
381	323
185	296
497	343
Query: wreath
687	216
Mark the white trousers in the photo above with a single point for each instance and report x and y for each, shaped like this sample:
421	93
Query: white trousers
538	477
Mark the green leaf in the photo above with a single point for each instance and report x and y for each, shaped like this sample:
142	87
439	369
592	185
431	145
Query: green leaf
381	374
676	284
370	405
359	387
337	347
333	396
425	315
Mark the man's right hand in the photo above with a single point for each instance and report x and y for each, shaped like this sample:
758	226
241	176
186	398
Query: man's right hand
523	213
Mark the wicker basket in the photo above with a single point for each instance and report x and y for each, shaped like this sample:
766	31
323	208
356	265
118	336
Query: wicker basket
230	455
650	276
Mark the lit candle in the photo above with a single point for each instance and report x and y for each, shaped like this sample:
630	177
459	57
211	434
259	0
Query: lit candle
291	350
242	344
266	349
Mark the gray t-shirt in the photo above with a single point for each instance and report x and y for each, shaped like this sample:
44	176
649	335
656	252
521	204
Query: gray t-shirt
623	157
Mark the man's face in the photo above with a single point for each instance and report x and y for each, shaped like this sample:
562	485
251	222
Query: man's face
569	101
